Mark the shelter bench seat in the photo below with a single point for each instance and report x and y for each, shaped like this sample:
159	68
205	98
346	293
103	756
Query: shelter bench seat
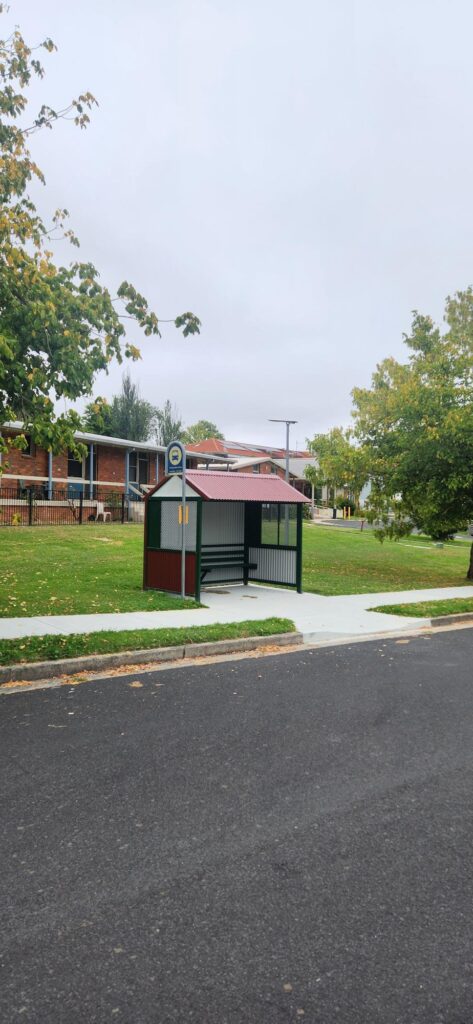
224	558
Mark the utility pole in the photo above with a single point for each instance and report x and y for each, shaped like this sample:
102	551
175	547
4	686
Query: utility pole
289	424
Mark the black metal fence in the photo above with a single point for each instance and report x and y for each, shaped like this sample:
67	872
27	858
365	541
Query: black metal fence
37	506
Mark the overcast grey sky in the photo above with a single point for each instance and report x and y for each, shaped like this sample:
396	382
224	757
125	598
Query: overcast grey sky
299	175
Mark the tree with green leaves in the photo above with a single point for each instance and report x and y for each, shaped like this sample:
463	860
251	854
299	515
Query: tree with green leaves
131	415
97	418
127	415
168	424
58	325
201	431
416	426
340	463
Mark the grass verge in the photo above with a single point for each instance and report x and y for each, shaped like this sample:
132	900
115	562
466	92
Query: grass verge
71	570
428	609
52	648
348	561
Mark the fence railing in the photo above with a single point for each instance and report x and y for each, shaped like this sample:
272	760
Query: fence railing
37	506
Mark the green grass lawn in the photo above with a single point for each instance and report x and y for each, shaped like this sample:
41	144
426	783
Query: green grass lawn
98	568
51	648
346	561
428	609
69	570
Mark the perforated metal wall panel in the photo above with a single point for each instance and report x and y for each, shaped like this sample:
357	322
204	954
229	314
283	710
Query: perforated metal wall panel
223	522
171	530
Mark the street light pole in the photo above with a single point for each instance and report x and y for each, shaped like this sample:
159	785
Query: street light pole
289	424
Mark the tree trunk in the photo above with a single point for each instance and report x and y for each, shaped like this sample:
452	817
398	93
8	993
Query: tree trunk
469	574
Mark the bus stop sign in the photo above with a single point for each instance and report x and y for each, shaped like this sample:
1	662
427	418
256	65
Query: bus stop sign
175	458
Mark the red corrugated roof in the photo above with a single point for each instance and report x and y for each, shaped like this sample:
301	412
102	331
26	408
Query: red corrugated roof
242	487
210	444
215	445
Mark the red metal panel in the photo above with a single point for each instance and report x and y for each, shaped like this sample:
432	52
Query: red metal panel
163	571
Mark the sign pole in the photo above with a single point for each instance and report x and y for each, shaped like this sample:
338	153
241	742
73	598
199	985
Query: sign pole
175	463
183	552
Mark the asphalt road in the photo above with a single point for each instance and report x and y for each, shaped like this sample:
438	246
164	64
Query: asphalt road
271	840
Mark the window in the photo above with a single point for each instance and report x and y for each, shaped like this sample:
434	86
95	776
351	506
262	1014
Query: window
271	525
30	448
256	468
74	466
139	462
279	525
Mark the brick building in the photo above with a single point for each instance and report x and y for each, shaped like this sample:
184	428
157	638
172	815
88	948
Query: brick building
108	482
110	462
115	470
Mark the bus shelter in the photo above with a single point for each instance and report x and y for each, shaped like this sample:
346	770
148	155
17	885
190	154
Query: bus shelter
240	528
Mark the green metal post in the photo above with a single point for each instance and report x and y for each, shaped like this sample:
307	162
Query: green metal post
246	546
299	549
198	549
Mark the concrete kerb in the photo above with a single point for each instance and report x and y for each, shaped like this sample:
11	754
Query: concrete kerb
40	670
446	620
101	663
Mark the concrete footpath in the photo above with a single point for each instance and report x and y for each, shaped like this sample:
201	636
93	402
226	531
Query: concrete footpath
316	617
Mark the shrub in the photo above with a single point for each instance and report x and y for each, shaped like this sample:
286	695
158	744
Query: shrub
347	503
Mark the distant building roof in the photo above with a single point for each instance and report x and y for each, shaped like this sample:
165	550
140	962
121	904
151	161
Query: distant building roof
239	487
297	467
256	460
210	444
121	442
228	448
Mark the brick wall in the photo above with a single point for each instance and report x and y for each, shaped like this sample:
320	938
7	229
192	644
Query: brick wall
109	466
60	467
23	466
152	476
